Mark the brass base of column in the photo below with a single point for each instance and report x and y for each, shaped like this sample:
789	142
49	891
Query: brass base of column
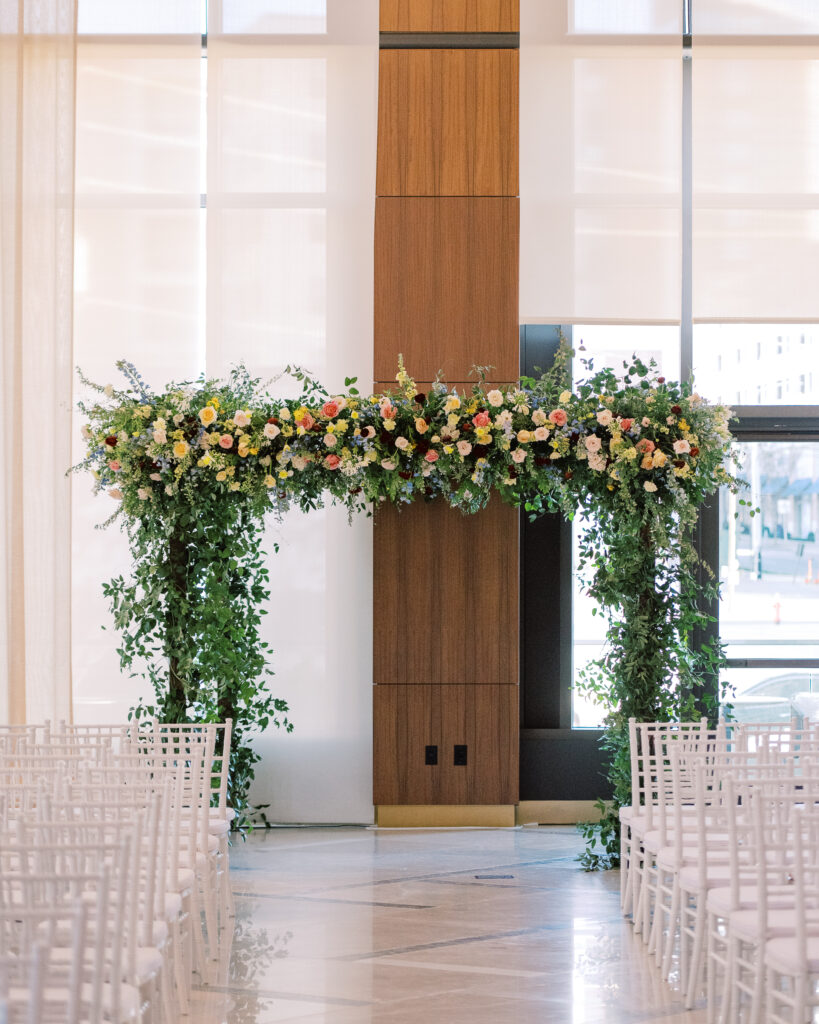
555	812
445	815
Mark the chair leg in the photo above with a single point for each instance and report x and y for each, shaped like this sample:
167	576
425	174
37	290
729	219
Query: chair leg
695	966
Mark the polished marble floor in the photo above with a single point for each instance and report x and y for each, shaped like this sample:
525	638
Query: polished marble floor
357	925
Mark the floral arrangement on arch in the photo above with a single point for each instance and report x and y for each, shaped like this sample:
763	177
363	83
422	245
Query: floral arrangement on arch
195	468
640	439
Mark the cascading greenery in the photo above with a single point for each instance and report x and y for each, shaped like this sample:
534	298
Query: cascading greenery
196	468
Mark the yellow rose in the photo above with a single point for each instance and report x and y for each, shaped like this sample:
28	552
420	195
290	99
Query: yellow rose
269	481
221	476
207	415
563	397
235	486
243	452
181	449
659	458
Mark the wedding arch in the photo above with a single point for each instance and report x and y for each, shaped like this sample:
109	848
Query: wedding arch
195	469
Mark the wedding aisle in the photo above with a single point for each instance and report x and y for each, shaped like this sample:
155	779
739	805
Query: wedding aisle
354	925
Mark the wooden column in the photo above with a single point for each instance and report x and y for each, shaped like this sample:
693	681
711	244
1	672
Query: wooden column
445	659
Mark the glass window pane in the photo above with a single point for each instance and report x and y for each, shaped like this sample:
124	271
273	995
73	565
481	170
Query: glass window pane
772	695
757	364
147	17
611	346
769	570
275	17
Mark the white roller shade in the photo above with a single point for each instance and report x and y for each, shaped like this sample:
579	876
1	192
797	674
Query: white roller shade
755	161
600	161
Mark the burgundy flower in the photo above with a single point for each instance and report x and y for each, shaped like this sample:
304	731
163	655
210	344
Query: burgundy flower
568	475
112	441
480	451
274	419
694	451
676	410
541	461
512	472
405	475
679	463
420	398
661	380
423	447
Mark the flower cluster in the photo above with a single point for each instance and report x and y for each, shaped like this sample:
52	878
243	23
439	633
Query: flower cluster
638	438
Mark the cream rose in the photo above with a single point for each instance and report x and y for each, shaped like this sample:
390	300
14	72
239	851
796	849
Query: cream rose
495	397
242	418
593	443
518	455
604	417
271	431
464	448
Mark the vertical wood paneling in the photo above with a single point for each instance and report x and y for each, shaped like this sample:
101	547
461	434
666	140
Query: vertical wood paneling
408	718
446	287
448	123
446	595
450	15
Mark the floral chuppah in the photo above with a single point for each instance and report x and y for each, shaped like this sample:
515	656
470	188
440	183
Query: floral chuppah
196	468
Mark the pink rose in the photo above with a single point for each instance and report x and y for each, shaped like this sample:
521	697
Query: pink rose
558	417
464	448
541	434
682	447
593	443
330	440
626	424
225	441
431	456
329	409
518	455
307	421
387	409
368	432
332	461
113	464
481	419
645	446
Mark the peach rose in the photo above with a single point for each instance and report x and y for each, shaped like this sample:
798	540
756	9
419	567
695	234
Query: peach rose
225	441
682	447
368	432
329	409
330	440
307	421
593	443
481	419
604	417
518	455
645	445
421	425
431	456
241	418
626	424
113	464
271	431
464	448
558	417
332	461
541	434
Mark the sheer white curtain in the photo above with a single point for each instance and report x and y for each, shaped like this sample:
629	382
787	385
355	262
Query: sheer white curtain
225	212
600	161
37	80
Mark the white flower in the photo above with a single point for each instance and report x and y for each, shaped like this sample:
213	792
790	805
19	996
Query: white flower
168	489
271	430
387	464
539	418
115	492
563	397
495	397
265	460
109	390
160	437
159	423
143	493
156	476
518	455
597	462
604	417
86	432
299	462
284	413
650	486
504	419
541	434
402	443
178	418
241	418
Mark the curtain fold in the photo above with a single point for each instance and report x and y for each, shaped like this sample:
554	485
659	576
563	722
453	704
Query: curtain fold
37	102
